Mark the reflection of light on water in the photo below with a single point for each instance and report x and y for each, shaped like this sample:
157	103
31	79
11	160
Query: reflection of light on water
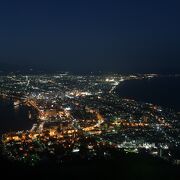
29	114
16	105
16	108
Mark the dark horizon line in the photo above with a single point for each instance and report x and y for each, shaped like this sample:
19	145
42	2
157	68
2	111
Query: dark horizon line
6	68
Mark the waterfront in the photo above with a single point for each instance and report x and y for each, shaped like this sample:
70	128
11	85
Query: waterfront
83	114
13	118
163	91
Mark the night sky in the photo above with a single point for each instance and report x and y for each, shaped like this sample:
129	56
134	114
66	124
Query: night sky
91	35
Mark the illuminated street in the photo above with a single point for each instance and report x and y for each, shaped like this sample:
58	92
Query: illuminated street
71	109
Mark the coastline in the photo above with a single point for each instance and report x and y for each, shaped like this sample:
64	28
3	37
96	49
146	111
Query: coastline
14	118
162	91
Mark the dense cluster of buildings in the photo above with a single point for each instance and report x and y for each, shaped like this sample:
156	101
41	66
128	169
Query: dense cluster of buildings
78	114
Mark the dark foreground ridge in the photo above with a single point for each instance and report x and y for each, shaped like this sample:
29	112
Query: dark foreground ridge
130	166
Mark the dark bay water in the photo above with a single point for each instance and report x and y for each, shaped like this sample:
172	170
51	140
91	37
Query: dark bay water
164	91
13	119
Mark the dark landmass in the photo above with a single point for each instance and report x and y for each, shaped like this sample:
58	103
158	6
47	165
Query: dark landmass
130	166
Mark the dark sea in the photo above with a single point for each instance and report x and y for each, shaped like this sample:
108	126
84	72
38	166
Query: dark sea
163	91
13	119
